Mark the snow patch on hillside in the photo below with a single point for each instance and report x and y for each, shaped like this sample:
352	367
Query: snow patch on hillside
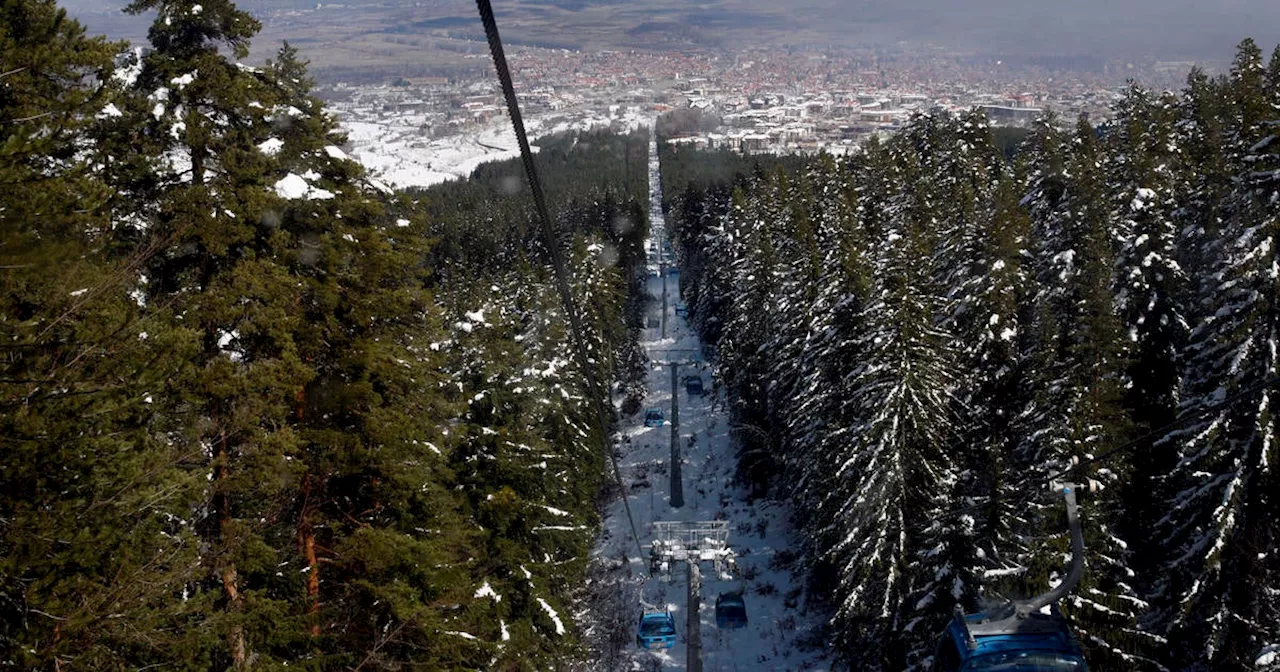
396	150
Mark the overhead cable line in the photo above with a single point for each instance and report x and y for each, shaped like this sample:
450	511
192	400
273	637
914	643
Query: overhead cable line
594	389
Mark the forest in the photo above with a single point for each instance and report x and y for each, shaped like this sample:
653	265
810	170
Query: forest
932	329
259	410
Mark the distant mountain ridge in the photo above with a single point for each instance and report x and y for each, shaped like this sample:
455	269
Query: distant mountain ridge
1139	30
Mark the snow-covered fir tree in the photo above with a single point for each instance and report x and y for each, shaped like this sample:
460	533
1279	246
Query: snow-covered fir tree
1219	589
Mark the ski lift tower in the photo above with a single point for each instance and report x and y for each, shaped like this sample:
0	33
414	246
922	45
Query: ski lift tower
693	543
673	358
662	271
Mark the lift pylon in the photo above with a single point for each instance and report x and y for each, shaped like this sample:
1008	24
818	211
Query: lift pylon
693	542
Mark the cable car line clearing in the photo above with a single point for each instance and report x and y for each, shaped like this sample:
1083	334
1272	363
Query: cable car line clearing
594	389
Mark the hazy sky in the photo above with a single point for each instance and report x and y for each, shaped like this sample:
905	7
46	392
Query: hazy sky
1106	29
1163	28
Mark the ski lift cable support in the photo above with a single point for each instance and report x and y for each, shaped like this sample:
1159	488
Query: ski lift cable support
1026	634
594	388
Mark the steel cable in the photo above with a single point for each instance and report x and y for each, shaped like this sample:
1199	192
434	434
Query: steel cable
594	389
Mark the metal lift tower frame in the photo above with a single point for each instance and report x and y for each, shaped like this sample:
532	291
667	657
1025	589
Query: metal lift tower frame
677	482
692	542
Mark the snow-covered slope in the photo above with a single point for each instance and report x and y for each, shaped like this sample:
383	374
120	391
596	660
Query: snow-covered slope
782	633
395	148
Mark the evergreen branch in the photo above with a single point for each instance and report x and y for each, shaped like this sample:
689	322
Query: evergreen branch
52	396
1101	457
383	641
46	614
33	117
66	368
1177	424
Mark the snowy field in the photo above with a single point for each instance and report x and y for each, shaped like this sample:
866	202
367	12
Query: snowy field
396	151
781	633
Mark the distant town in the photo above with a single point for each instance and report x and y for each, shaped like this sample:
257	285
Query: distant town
754	101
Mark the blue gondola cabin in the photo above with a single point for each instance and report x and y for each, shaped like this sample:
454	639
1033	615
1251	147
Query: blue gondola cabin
654	417
657	630
693	385
1037	643
1024	635
731	611
682	310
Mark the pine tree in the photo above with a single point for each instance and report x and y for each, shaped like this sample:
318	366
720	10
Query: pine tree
261	225
1203	177
882	459
990	307
1217	598
1077	411
797	334
1151	290
752	300
93	546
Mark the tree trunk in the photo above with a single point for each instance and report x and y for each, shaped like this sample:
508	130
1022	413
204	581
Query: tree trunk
307	544
236	643
235	604
313	579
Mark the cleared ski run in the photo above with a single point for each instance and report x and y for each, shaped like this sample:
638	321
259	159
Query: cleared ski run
782	633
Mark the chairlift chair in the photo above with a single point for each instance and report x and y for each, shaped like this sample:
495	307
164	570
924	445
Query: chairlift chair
654	417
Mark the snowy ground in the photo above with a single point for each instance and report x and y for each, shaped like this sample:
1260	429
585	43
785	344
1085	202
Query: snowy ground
395	150
760	533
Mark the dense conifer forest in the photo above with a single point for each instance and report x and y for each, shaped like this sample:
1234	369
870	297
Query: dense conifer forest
930	328
259	410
